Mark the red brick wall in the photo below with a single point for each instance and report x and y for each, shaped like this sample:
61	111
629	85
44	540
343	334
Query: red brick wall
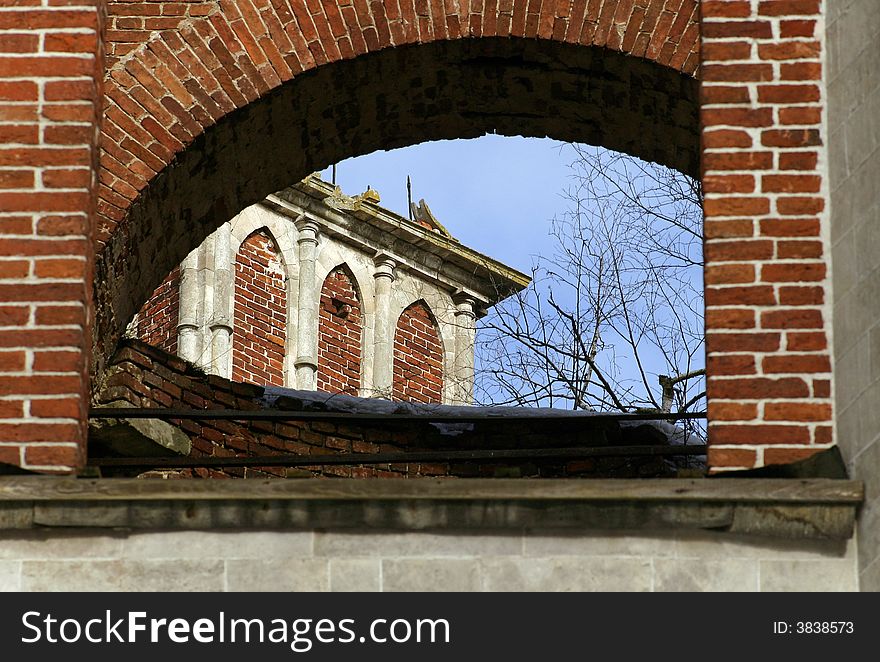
158	318
340	335
145	376
131	24
259	332
50	102
767	285
418	357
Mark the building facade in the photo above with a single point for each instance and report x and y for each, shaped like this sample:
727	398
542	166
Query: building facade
316	290
133	130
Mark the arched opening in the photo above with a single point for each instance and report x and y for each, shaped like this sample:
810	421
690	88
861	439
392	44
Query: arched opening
340	334
392	98
418	356
225	143
260	312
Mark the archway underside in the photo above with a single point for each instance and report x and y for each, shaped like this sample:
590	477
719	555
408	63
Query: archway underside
393	98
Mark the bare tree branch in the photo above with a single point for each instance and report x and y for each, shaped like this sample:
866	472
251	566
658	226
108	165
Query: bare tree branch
616	309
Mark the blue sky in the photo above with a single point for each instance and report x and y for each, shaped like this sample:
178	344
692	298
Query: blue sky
495	194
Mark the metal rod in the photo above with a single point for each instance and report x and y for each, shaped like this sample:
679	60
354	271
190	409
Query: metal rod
287	415
290	460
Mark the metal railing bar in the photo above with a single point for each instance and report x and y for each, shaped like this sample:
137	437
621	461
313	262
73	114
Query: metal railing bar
289	415
397	458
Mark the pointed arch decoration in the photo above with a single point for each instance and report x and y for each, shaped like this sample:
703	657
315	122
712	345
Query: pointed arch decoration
260	311
418	356
340	333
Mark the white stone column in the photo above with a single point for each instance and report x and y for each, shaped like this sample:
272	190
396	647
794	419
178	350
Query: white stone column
307	308
383	334
221	319
465	336
189	332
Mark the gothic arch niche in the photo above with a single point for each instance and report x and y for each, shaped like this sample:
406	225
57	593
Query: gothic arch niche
418	356
340	333
260	311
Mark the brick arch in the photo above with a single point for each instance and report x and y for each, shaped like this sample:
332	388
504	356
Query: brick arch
210	116
340	333
260	312
418	356
169	79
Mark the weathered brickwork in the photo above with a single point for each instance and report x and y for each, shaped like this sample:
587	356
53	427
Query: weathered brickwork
767	281
50	92
157	319
145	376
418	356
260	313
133	24
340	335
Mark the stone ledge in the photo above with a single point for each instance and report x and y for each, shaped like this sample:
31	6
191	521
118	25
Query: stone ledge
789	508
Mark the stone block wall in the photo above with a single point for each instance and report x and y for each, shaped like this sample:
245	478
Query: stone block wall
539	560
853	36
